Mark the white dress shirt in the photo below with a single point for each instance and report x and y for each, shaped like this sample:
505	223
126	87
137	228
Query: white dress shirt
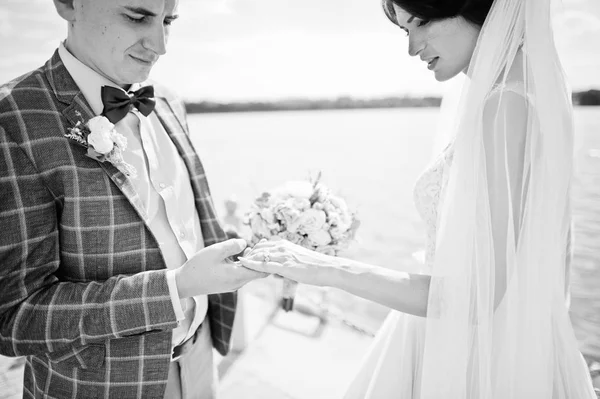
164	188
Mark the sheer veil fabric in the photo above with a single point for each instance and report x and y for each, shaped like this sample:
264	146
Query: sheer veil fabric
497	324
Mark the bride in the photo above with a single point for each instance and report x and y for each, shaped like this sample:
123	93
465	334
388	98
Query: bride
487	315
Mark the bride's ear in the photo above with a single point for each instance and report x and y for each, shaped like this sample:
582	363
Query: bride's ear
65	9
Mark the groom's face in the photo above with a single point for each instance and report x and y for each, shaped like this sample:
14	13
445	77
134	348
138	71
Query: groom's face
121	39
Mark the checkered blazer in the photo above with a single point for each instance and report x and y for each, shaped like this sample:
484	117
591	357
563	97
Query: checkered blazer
83	292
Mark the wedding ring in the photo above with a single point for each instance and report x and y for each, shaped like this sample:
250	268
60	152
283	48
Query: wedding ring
267	258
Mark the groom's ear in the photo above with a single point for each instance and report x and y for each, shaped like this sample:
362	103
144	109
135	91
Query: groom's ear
65	9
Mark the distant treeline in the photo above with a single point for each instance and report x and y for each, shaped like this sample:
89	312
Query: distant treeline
308	104
590	97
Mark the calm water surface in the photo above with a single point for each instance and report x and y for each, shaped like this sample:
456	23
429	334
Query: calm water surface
372	158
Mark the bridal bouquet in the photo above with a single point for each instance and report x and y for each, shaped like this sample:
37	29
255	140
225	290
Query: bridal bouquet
307	214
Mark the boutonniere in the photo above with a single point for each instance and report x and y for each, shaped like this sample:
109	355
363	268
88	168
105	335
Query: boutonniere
103	142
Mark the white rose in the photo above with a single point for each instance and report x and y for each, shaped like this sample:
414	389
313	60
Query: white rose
289	216
300	204
337	233
268	215
319	238
102	144
279	209
330	208
319	206
310	221
100	124
100	134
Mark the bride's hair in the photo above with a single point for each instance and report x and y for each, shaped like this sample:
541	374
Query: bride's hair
474	11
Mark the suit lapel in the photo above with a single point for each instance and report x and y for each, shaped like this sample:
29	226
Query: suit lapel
78	110
211	229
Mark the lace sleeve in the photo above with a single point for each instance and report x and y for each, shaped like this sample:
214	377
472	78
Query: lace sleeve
504	138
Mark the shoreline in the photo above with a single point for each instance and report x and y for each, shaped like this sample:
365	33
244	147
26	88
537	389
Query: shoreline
580	99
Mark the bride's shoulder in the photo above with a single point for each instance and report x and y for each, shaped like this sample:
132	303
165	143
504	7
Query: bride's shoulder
513	82
511	87
509	98
507	108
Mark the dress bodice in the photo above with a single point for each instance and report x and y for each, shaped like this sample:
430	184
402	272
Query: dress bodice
430	186
428	197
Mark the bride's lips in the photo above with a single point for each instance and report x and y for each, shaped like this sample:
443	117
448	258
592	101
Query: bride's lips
432	63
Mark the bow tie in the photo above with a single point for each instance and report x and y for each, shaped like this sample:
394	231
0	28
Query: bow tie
117	102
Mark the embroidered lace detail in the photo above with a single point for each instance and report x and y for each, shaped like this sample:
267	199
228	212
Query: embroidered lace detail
428	196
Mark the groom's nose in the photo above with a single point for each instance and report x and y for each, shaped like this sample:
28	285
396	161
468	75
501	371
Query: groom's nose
156	40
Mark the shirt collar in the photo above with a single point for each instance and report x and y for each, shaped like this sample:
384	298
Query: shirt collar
89	81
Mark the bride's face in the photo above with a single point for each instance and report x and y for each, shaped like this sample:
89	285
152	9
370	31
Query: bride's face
446	46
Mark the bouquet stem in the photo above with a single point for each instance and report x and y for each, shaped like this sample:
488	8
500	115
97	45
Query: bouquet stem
288	293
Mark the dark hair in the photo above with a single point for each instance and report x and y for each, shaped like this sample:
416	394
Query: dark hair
475	11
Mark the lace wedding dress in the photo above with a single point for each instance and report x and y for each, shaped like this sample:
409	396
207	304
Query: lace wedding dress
392	366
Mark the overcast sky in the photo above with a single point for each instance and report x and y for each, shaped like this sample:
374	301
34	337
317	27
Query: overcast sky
266	49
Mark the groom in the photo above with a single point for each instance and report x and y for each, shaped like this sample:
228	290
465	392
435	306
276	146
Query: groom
112	285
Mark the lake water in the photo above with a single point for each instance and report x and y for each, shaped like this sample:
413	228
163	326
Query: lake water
372	158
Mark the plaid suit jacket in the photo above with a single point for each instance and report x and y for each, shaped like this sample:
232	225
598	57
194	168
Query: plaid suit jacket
83	292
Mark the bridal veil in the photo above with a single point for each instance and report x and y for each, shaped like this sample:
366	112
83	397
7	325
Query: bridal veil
497	324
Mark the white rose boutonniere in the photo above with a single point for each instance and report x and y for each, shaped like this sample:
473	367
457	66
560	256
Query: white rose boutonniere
100	137
103	142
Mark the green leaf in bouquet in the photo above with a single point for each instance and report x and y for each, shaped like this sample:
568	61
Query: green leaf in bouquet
315	195
314	198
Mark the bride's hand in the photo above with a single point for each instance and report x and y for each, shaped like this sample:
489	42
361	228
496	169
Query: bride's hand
291	261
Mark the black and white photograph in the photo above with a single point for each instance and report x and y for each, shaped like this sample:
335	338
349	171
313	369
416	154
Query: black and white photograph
318	199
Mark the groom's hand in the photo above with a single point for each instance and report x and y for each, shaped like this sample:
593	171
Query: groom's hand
210	270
